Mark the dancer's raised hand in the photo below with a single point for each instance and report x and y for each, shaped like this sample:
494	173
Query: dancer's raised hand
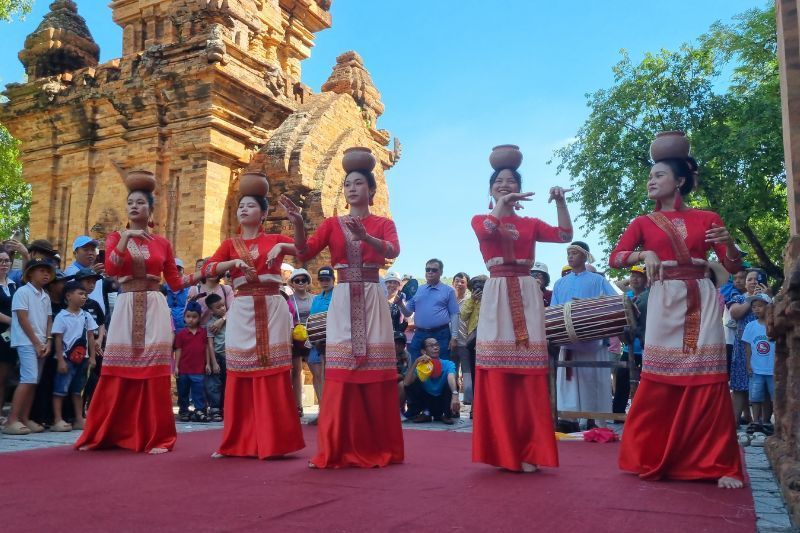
293	212
513	199
559	194
356	227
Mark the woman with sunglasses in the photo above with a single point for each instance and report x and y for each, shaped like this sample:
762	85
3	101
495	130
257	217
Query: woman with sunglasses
260	411
300	307
513	428
359	423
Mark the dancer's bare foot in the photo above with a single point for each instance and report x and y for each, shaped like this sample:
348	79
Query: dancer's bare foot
217	455
726	482
83	449
157	451
312	465
527	467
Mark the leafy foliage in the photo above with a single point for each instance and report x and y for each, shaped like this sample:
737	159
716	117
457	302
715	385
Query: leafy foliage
723	90
9	8
15	193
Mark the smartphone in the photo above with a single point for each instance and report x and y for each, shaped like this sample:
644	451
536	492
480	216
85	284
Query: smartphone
101	257
6	335
762	277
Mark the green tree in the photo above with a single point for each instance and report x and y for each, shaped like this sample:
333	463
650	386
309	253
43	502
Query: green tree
723	90
9	8
15	193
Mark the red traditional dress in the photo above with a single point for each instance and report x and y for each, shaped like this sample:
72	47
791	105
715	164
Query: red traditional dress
511	408
359	422
260	413
681	423
132	405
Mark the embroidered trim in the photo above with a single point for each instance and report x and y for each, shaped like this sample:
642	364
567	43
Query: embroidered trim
489	224
139	305
280	355
340	356
672	361
517	310
152	355
507	354
620	259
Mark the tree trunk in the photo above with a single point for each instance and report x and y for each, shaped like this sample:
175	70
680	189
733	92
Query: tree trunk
766	263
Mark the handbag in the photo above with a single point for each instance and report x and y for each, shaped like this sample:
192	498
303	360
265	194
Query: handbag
299	332
77	353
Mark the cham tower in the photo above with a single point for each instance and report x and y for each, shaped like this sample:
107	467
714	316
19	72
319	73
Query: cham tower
204	90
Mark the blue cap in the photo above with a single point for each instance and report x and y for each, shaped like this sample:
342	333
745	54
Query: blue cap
193	307
82	241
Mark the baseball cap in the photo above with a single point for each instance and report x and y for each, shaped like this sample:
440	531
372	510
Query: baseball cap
392	276
760	296
297	272
178	263
639	269
324	272
82	241
567	268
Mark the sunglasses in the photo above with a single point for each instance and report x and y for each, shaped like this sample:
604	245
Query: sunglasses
301	280
428	269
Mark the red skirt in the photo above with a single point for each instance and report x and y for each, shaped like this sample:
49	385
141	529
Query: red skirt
135	414
681	432
359	425
260	416
511	420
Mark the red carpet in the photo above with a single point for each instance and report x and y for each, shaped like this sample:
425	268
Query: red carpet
437	489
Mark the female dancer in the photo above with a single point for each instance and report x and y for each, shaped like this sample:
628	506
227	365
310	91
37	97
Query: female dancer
132	405
359	422
513	428
680	424
260	413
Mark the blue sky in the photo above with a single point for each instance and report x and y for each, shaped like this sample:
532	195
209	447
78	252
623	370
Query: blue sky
458	77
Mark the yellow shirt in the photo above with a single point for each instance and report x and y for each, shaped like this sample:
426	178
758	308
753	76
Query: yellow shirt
469	314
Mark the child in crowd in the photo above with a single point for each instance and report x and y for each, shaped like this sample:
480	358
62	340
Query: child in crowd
31	321
215	381
75	354
403	357
760	352
88	279
192	362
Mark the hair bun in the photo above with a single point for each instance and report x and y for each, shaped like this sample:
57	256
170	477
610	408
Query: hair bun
140	180
669	145
253	184
358	158
505	156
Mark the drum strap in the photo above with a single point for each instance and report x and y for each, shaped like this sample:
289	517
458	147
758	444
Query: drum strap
259	305
358	307
691	324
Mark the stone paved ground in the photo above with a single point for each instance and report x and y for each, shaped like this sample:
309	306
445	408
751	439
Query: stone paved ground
771	513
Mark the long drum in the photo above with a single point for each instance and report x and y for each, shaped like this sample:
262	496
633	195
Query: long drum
316	325
589	319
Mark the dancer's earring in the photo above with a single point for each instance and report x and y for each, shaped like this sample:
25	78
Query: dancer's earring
491	203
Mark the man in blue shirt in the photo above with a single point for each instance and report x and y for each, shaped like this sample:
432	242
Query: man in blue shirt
583	389
176	300
84	248
436	312
433	395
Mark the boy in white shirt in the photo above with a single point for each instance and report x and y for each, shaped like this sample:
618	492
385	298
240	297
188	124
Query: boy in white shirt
75	355
760	352
31	319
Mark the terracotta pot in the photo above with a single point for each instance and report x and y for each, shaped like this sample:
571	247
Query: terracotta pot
253	184
140	180
669	145
358	158
505	156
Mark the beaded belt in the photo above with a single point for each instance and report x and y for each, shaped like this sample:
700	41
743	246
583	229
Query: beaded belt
140	285
356	274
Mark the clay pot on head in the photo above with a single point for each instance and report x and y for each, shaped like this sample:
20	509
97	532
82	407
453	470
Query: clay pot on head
505	156
253	184
140	180
358	158
669	145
